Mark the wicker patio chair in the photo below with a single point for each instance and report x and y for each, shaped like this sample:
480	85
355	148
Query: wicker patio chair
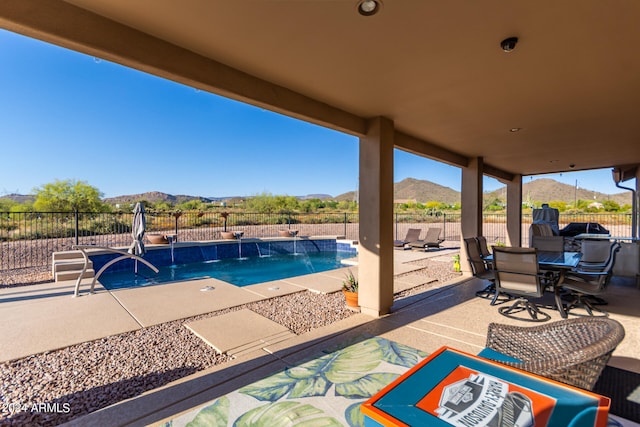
572	351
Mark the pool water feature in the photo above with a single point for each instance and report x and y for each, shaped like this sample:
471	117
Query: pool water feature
242	263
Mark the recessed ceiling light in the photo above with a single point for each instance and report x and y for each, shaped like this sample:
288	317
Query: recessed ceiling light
369	7
515	129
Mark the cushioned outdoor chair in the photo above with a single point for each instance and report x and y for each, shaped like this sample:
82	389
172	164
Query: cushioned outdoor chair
586	285
517	274
572	351
431	240
413	235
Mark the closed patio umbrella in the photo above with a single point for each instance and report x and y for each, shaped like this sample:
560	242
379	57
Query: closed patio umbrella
137	231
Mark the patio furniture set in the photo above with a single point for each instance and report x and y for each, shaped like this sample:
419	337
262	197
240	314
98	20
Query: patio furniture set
526	274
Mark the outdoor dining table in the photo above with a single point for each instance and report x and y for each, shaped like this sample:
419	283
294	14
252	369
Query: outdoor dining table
554	262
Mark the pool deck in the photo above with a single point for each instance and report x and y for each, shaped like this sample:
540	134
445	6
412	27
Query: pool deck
46	317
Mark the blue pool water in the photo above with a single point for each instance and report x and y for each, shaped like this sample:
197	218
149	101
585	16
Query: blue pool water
237	271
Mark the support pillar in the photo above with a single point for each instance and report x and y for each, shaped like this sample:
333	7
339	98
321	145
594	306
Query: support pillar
514	211
471	202
375	257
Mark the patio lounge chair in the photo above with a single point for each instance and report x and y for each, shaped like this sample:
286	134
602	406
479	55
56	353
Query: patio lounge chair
431	240
573	351
413	234
517	274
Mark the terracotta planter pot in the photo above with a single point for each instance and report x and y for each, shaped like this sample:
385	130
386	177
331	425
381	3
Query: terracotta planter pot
157	239
351	298
228	235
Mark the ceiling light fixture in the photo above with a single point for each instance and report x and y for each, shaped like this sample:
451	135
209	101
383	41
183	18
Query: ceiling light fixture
515	129
369	7
509	44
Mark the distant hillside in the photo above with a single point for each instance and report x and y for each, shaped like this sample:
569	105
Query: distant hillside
539	190
547	190
19	198
154	197
157	196
425	191
419	190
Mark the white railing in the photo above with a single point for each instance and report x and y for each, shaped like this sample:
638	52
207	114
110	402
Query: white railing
123	255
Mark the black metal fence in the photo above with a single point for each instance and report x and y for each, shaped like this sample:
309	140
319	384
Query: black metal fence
28	239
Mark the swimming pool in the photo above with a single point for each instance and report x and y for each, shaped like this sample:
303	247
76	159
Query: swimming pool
240	272
241	264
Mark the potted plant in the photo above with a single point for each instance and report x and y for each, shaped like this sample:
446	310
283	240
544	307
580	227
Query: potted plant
456	263
350	290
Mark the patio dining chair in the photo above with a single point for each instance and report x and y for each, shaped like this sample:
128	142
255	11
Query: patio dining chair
548	243
484	249
517	274
572	351
413	234
586	285
479	268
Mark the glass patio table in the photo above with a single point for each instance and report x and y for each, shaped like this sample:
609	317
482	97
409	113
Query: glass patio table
554	262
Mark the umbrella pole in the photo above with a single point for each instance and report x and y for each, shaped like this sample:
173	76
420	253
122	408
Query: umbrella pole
136	267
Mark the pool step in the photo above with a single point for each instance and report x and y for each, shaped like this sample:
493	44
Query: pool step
68	266
61	276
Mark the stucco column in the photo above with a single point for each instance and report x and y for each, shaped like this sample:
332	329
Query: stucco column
375	257
514	211
636	232
471	202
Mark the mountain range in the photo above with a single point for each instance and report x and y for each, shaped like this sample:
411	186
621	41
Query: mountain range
539	190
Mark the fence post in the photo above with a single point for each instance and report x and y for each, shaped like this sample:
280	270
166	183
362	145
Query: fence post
345	225
397	226
77	227
289	220
444	225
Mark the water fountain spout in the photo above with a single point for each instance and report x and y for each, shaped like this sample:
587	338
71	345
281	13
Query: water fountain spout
238	235
294	233
171	238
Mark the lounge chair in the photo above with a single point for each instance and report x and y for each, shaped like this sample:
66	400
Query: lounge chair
413	234
431	240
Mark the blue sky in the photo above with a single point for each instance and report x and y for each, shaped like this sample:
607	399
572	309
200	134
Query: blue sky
65	115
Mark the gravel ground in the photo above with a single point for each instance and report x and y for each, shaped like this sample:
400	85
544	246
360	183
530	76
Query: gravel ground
86	377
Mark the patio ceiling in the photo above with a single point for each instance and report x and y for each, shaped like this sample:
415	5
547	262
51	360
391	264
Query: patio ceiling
433	67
